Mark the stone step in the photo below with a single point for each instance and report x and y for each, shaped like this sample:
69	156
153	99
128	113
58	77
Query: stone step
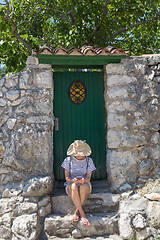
63	226
96	202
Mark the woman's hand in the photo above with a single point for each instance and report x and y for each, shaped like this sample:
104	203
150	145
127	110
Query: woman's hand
82	180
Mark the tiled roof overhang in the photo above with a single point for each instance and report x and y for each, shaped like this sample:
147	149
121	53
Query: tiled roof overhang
86	56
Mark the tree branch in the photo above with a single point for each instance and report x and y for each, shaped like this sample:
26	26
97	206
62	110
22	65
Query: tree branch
14	28
134	25
102	18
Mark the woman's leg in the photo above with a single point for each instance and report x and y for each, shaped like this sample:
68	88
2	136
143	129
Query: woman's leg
84	190
74	193
78	196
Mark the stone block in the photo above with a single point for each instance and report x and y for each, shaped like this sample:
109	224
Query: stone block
139	222
44	202
12	95
56	225
99	203
26	227
124	139
143	234
44	211
115	106
30	151
115	68
43	79
133	205
125	228
7	219
10	83
153	59
121	167
153	213
11	123
37	186
2	80
115	121
117	80
145	167
24	208
5	232
3	102
32	61
117	93
4	206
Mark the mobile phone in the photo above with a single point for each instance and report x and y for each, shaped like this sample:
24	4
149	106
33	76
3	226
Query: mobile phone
79	178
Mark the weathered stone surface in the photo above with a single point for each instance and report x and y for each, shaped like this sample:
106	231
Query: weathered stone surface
24	208
1	150
145	167
62	226
32	61
37	186
44	79
26	227
11	192
10	83
3	102
30	151
122	139
5	232
44	202
7	112
4	206
45	210
120	80
133	205
99	202
26	79
126	167
125	229
153	196
117	93
12	95
2	81
143	234
139	222
154	59
76	233
7	219
11	123
153	213
116	121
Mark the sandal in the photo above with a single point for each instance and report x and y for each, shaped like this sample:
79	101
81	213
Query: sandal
85	222
75	218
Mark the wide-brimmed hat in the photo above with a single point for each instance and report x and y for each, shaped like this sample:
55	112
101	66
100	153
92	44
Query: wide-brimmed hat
79	148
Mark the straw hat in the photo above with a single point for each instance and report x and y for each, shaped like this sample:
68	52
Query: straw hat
79	148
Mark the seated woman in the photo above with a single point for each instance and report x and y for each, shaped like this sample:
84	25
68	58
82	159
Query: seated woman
78	170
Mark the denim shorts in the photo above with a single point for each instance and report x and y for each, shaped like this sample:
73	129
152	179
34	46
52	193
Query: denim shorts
67	185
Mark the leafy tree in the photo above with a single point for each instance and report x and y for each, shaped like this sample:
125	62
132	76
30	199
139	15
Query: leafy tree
27	24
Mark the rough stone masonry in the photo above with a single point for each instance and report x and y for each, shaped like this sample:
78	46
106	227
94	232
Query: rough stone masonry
26	135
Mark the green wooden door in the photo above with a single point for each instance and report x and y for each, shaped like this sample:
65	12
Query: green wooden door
79	107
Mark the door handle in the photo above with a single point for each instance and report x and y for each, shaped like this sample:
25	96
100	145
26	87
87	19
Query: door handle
56	124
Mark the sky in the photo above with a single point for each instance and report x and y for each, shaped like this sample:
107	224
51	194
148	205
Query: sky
1	1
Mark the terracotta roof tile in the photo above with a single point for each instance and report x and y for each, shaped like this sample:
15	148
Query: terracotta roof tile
84	50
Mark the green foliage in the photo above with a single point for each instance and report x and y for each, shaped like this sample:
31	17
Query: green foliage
73	23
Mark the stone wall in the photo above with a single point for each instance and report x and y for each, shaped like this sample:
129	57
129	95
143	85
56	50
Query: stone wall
26	138
26	164
132	93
